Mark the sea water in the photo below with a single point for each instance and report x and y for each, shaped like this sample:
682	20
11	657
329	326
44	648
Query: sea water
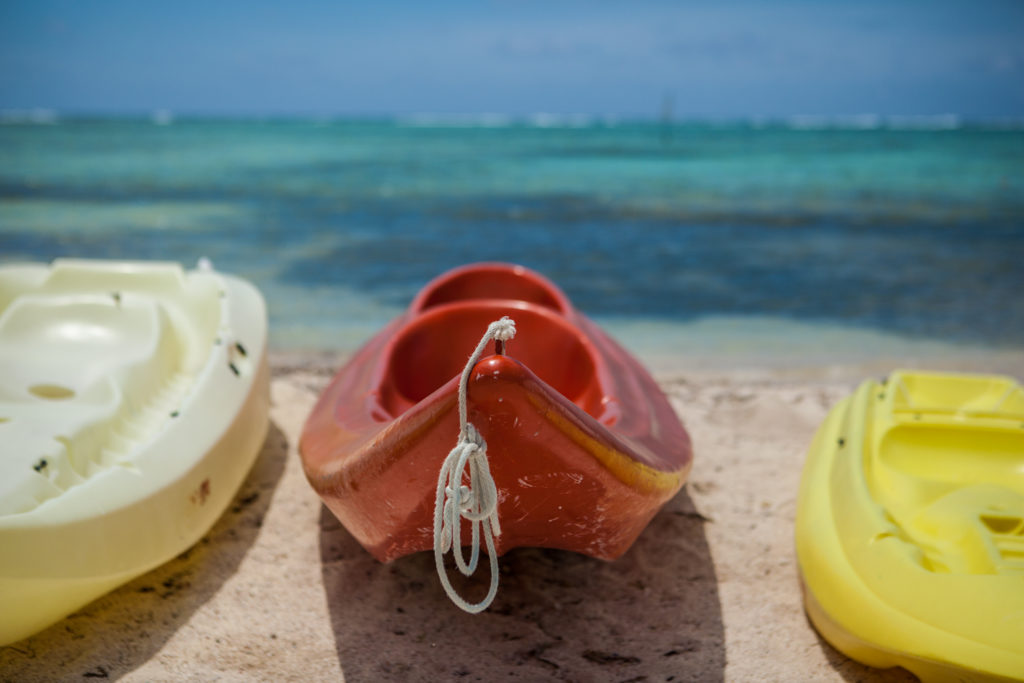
792	238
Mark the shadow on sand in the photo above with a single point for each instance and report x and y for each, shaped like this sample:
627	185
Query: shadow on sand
117	633
653	614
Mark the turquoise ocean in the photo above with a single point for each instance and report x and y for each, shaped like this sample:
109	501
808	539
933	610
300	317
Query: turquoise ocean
796	237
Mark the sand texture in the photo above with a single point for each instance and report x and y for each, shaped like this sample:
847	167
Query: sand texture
279	591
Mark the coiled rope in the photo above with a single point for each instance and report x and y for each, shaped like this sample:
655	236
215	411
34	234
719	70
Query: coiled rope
477	502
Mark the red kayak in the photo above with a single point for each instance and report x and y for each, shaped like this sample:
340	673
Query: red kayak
582	446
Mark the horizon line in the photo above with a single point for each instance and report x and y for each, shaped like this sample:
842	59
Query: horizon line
540	119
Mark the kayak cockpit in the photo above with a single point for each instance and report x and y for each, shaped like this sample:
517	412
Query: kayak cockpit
431	350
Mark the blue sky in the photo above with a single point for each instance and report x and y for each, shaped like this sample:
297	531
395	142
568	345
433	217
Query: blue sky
715	59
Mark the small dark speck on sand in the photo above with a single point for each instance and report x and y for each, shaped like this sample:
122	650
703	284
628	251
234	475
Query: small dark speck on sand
599	657
98	672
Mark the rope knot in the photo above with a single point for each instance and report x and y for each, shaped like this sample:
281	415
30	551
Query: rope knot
478	502
502	330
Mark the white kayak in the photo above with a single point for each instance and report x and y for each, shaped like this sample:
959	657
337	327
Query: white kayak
133	402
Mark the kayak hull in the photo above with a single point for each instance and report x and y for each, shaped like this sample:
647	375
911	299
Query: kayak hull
135	478
583	474
910	526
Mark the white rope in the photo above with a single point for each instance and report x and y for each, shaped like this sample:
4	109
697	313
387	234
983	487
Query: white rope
477	502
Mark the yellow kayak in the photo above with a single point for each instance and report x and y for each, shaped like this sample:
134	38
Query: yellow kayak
133	401
910	526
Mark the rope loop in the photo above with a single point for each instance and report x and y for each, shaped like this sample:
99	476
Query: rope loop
478	502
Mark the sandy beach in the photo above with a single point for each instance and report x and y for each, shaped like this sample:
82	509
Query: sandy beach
278	590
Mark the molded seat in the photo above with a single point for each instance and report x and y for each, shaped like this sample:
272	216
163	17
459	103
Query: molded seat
420	359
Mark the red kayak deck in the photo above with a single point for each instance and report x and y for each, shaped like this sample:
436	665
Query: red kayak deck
582	444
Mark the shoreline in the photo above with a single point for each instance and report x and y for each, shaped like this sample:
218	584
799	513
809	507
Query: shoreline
706	361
